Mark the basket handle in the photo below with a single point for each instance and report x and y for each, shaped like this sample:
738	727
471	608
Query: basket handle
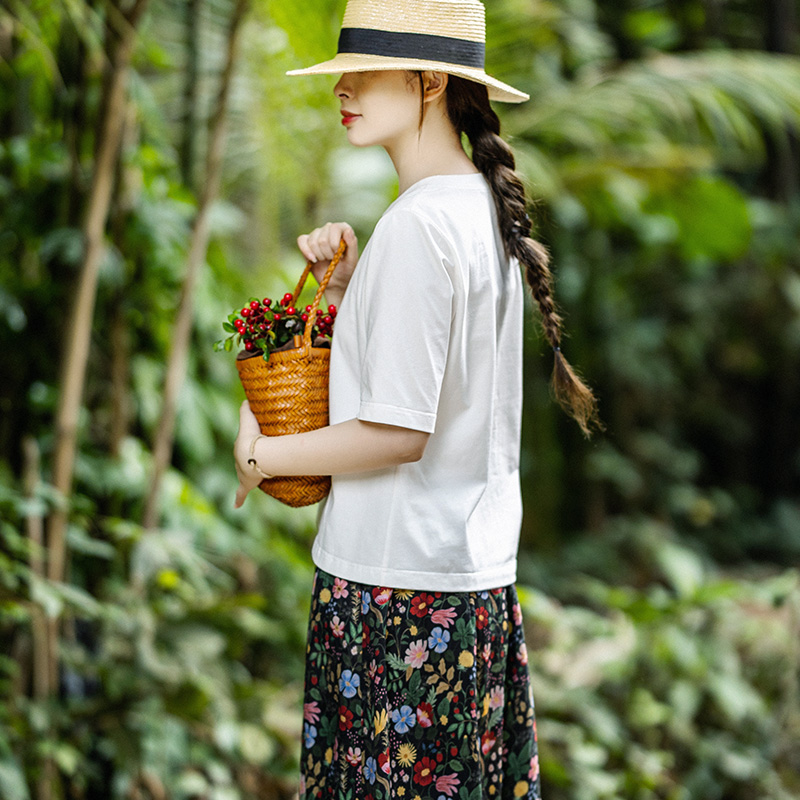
312	315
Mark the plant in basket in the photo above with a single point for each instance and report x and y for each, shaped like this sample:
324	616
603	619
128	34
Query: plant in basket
287	387
261	328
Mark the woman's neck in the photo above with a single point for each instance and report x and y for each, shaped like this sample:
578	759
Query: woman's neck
434	149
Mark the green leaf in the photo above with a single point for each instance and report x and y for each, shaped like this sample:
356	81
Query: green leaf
44	594
681	567
396	662
699	205
255	745
228	327
12	779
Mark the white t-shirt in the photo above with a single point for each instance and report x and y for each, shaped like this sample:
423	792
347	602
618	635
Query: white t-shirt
429	337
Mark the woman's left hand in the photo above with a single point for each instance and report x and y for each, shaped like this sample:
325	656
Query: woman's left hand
248	430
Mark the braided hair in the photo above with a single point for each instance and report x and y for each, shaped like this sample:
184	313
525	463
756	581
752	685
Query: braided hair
470	112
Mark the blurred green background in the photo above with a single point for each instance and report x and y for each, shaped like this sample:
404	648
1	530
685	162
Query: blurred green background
153	649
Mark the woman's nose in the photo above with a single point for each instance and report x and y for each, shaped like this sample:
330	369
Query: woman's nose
343	87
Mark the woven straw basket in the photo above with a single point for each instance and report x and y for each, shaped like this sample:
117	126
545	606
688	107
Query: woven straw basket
289	394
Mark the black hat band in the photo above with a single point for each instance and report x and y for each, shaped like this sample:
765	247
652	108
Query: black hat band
421	46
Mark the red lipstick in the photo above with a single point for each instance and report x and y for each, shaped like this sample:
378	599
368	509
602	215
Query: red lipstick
348	117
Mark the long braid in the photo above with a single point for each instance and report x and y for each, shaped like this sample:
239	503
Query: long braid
469	111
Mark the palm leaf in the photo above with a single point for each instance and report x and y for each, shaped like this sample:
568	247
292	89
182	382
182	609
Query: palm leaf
723	99
690	111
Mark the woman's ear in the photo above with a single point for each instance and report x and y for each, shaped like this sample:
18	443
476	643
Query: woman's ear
435	84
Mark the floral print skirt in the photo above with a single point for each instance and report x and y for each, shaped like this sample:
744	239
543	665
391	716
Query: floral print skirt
417	695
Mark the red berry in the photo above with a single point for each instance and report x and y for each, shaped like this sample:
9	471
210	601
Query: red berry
254	304
267	302
319	312
248	345
245	312
262	327
304	317
328	319
291	310
332	308
276	316
308	308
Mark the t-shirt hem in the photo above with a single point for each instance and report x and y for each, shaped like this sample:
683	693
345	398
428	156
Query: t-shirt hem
493	578
395	415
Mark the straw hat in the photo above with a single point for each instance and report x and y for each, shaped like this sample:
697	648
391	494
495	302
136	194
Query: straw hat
444	35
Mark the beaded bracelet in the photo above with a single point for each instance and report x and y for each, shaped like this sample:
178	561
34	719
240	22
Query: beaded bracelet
252	460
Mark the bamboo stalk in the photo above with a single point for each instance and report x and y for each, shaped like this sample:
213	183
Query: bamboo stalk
76	350
128	188
40	632
179	351
191	94
35	526
122	28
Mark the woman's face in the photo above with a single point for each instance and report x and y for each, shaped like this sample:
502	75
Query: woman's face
381	107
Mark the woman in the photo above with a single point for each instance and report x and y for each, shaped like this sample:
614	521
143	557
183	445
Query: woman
416	676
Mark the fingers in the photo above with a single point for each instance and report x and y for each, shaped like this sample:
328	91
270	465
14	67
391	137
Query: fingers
308	253
350	238
248	429
247	482
322	243
241	493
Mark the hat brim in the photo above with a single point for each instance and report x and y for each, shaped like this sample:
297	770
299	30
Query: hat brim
357	62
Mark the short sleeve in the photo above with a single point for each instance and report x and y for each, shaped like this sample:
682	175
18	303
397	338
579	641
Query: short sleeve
408	301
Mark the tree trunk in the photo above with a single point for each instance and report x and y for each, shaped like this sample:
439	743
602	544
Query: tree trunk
41	661
129	184
191	94
31	480
179	352
76	349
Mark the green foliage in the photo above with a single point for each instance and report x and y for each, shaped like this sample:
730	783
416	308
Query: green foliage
180	663
663	625
681	684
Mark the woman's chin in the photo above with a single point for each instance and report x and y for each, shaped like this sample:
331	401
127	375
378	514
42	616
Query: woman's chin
356	142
